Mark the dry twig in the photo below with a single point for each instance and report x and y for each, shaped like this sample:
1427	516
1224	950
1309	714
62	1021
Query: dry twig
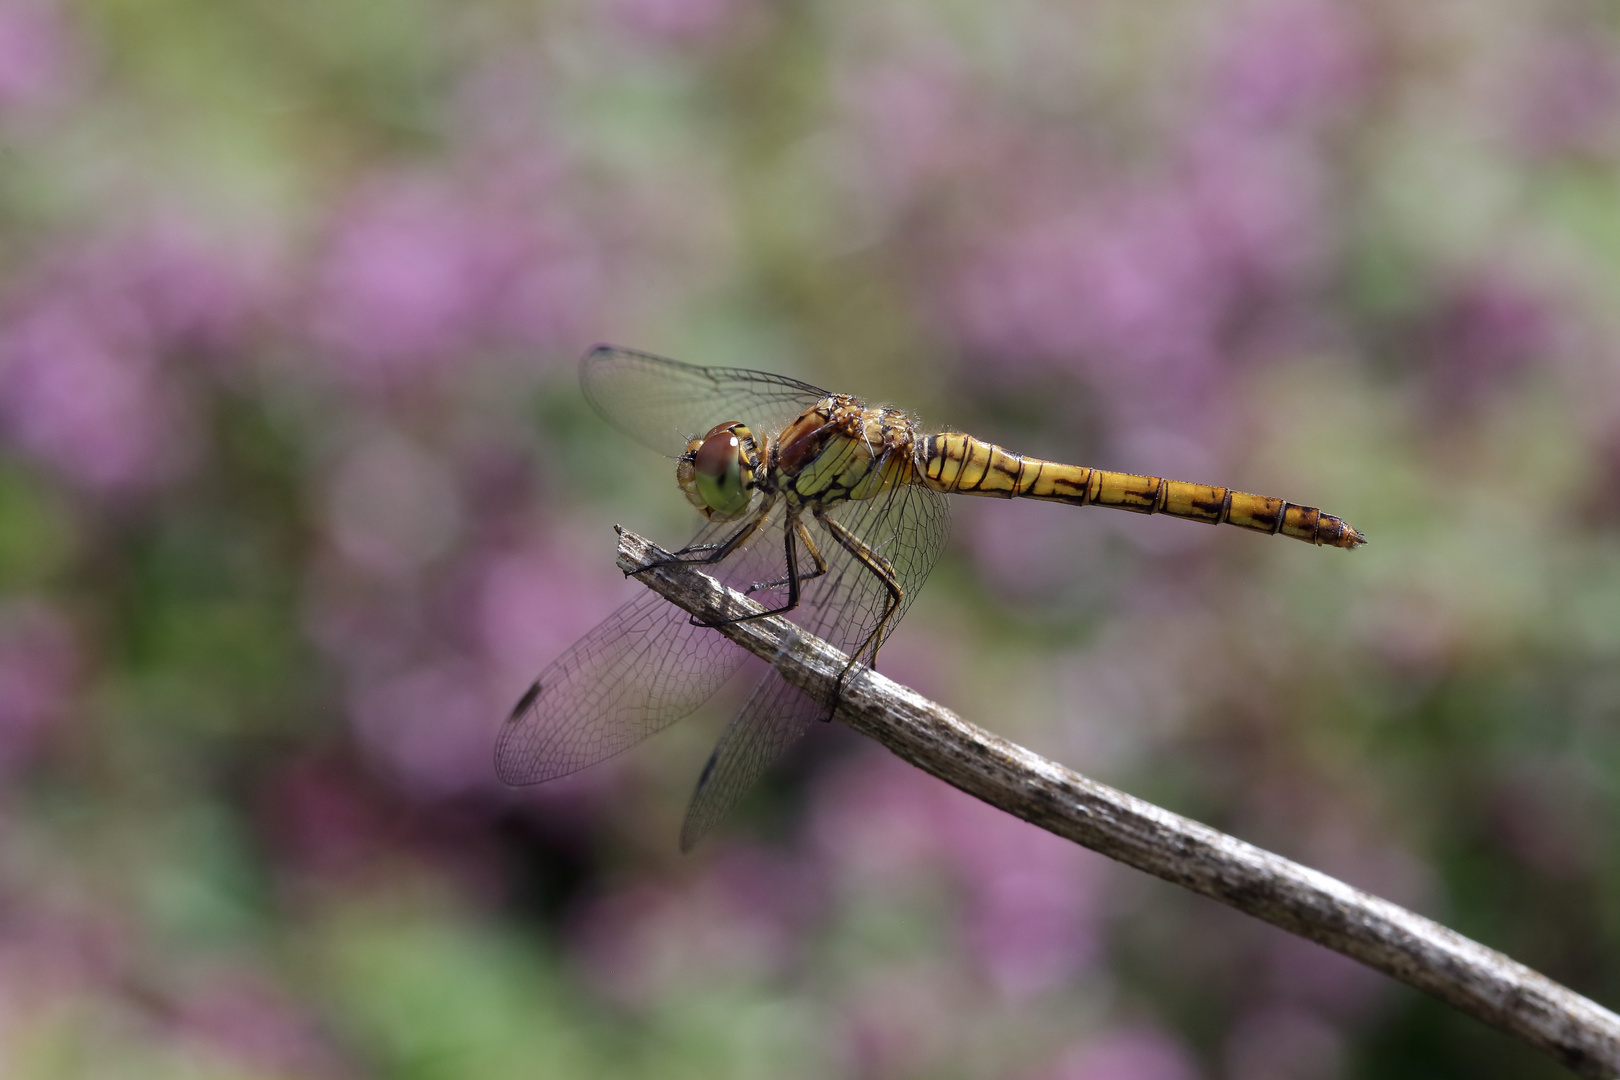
1420	952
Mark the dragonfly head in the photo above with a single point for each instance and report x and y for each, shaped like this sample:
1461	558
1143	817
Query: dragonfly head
718	471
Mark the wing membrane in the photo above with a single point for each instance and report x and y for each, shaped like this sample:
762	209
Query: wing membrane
641	669
908	526
775	716
661	403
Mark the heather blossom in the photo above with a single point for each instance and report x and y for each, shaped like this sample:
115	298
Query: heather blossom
1291	63
419	274
95	381
1127	1053
744	917
1031	899
39	662
90	402
677	22
431	726
1488	328
392	505
1148	284
530	603
36	53
1564	101
242	1019
1280	1042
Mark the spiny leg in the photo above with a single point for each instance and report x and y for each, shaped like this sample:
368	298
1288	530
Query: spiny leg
884	571
815	555
714	553
794	578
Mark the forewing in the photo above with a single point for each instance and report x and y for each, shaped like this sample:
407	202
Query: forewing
640	670
662	403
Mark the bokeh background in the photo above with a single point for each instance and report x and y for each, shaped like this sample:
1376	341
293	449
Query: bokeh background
298	492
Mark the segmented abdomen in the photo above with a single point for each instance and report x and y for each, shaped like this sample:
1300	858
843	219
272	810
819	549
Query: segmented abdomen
953	462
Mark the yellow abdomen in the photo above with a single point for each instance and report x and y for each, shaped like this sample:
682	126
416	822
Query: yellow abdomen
958	463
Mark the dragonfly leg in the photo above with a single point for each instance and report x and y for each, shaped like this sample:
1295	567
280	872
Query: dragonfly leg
815	555
793	580
884	571
713	553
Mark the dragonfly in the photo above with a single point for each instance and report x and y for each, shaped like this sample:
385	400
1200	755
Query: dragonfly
828	511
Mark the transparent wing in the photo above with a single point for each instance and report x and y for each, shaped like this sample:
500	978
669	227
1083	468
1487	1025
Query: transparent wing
908	526
641	669
775	716
661	403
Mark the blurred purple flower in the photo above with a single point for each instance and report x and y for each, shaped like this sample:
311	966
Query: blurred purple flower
39	659
418	273
1545	813
90	382
403	282
871	820
1136	1053
433	727
96	409
36	52
1262	209
1133	295
1031	899
333	824
904	1018
1131	288
1566	100
1487	330
909	116
1284	1044
54	940
323	818
370	628
1304	973
524	606
1144	287
391	505
1152	291
744	918
432	671
1290	63
194	295
1150	287
676	22
1032	911
242	1018
532	603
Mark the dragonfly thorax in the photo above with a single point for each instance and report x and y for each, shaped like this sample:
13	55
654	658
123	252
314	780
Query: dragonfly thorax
719	471
841	450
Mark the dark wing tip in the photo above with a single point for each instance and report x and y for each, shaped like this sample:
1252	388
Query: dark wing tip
525	701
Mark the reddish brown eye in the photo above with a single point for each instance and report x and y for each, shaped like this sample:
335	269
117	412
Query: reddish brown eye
717	455
717	470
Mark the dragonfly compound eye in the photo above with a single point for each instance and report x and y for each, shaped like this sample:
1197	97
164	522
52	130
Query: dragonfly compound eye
721	471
